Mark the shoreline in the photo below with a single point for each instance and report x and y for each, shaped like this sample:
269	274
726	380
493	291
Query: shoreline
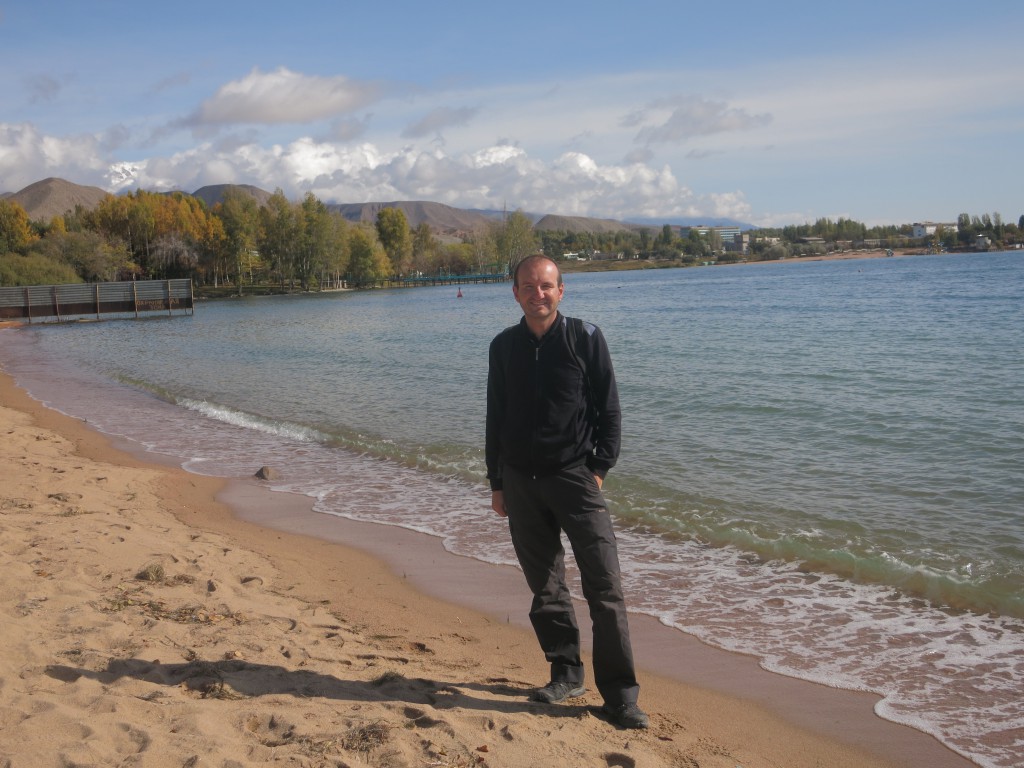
401	590
641	264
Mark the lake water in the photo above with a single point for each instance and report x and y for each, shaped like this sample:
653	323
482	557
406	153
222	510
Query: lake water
823	462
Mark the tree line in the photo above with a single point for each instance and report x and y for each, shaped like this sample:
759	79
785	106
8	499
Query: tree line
690	245
949	236
238	244
285	245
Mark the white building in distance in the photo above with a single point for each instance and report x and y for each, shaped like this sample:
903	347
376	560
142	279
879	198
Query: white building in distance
927	228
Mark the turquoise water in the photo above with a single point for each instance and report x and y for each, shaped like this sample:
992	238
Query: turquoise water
822	461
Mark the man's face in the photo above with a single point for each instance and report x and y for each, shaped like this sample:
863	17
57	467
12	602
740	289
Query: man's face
538	291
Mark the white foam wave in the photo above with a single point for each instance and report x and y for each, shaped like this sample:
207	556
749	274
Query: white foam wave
250	421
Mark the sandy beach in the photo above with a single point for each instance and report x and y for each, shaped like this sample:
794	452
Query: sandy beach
157	618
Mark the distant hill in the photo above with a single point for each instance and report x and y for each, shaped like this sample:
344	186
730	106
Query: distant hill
438	216
55	197
214	193
579	224
688	221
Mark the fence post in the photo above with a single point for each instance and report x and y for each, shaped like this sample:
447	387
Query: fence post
135	300
97	301
56	302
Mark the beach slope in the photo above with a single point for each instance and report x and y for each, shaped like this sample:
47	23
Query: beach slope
146	625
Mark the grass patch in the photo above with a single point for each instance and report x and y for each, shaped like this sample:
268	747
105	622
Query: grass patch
388	677
152	572
366	737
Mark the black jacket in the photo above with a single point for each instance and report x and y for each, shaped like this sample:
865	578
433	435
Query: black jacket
539	418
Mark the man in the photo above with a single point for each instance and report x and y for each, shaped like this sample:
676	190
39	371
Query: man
553	432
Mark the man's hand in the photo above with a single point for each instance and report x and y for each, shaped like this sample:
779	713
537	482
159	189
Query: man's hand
498	503
600	482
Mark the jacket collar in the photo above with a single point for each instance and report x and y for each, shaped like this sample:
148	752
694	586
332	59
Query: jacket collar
552	331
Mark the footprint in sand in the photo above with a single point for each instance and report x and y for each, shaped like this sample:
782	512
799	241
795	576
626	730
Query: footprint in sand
420	718
619	760
15	504
270	730
64	497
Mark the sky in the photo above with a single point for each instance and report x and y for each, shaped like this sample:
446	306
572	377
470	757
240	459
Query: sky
769	113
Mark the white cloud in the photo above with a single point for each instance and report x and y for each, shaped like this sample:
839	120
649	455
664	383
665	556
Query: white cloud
494	177
283	96
503	154
28	156
503	174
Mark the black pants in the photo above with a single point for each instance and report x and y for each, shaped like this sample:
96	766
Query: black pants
538	510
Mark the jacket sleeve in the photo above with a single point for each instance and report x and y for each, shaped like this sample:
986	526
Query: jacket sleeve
495	414
608	430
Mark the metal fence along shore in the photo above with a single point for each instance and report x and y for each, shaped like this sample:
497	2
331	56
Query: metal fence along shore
62	303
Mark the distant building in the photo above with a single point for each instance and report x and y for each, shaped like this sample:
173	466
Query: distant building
739	244
928	228
817	242
728	234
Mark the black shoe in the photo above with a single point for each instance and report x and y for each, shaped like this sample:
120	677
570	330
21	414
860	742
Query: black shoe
557	691
626	715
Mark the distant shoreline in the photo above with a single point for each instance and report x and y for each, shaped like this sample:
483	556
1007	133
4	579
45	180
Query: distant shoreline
207	293
625	265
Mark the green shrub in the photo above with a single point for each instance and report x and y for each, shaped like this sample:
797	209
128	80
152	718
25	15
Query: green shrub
35	269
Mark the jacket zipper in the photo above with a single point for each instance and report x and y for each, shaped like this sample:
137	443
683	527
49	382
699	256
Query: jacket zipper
536	399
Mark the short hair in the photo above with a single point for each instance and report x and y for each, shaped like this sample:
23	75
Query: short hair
534	257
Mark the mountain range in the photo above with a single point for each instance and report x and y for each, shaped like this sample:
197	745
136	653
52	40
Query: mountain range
53	197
